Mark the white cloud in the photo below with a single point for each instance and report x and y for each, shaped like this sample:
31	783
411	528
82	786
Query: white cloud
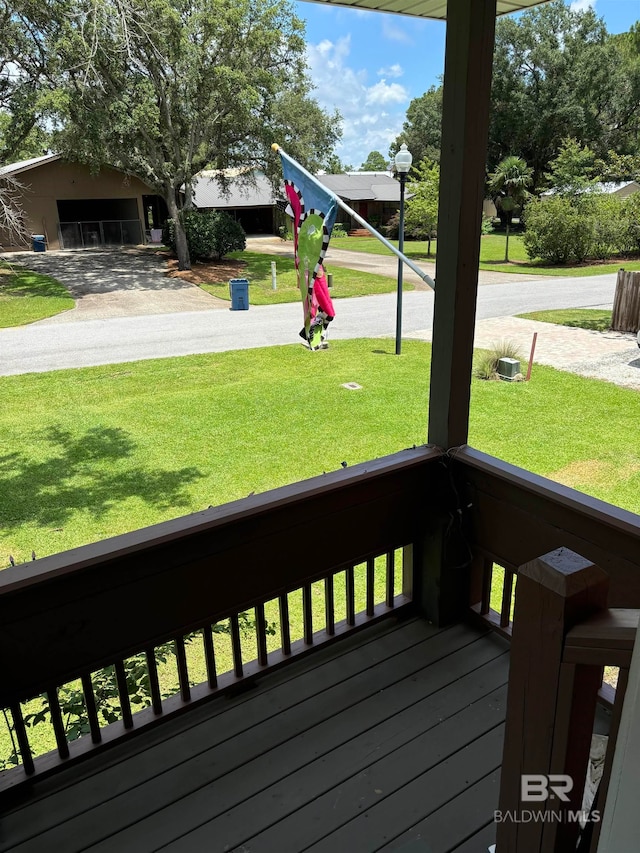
392	31
391	71
384	93
582	5
372	114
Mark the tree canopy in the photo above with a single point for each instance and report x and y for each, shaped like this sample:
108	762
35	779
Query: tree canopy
164	88
422	129
421	217
375	162
557	74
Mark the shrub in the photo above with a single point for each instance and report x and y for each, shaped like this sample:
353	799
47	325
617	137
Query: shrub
228	235
487	224
338	230
209	235
392	229
608	236
487	360
630	215
557	230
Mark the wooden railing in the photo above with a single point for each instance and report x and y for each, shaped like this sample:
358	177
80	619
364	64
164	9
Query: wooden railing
343	544
515	516
563	636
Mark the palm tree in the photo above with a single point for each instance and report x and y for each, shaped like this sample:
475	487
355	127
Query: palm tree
508	186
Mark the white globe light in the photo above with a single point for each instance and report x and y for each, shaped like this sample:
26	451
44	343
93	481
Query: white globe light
403	159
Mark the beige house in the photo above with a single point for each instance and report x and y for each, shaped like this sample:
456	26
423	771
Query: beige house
74	208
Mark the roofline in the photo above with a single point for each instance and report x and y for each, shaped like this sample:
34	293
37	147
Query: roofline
17	169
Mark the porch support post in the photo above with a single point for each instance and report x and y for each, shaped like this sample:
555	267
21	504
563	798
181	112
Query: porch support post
465	122
550	703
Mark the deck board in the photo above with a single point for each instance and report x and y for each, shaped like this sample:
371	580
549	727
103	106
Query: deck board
300	760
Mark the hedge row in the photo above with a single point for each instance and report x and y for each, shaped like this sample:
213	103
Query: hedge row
562	230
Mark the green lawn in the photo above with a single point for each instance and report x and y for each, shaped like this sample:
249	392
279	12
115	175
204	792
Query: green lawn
108	449
27	296
491	256
258	272
582	318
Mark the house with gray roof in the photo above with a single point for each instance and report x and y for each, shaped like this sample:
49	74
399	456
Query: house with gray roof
252	201
248	197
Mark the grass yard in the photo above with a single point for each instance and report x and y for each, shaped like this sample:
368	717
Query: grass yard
27	296
491	256
258	270
109	449
594	319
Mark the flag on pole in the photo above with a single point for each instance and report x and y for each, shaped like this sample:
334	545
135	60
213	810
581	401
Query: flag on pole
313	211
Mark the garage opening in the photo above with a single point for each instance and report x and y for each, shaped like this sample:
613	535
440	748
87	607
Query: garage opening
90	223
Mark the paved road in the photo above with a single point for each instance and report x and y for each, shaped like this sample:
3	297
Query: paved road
47	346
128	310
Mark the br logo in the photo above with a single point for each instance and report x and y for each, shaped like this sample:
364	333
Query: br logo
535	787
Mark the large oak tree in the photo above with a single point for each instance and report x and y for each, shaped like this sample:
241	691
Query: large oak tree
164	88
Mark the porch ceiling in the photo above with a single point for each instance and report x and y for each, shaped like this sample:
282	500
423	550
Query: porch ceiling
436	9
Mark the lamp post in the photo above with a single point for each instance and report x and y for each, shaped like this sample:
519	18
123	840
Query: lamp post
403	164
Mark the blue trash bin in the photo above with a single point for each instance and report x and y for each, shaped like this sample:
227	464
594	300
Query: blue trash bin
239	290
38	242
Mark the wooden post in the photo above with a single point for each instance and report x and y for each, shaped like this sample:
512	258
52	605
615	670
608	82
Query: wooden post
465	122
550	705
625	316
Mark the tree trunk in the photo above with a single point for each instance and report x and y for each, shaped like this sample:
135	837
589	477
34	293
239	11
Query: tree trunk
429	246
182	249
506	246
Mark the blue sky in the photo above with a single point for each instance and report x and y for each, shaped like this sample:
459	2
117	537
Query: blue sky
370	65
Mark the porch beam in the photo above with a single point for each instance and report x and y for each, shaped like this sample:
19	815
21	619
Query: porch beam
465	123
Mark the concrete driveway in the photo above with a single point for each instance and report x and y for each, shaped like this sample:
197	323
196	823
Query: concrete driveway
116	283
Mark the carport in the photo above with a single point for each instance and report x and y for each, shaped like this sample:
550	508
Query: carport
86	223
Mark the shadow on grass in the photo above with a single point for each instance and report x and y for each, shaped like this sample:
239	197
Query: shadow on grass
73	478
22	282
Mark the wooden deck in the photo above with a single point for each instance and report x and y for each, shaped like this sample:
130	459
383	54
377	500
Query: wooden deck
388	740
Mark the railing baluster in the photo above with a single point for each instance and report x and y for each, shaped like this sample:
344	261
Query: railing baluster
329	606
390	586
57	723
487	574
210	657
183	669
307	614
261	635
123	694
154	684
285	631
90	705
507	594
370	586
23	740
236	646
351	595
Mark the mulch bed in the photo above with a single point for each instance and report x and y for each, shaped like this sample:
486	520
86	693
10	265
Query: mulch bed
207	272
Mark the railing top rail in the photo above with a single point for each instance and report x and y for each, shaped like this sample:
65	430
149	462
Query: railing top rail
603	512
604	639
19	577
